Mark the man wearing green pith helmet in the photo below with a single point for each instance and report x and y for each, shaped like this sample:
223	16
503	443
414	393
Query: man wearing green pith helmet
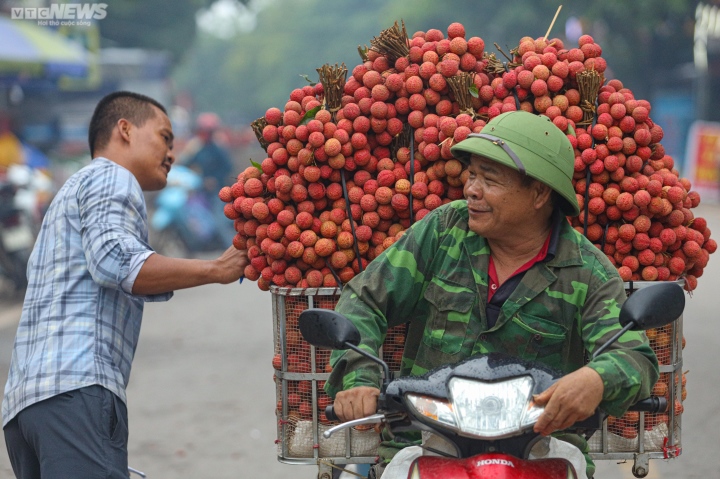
502	270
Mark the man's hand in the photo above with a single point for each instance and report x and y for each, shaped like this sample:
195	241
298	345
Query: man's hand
573	398
160	274
356	403
230	266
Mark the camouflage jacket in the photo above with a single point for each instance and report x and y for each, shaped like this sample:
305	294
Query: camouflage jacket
435	279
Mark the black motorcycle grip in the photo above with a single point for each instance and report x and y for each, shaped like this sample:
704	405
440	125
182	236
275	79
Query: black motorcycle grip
330	413
652	404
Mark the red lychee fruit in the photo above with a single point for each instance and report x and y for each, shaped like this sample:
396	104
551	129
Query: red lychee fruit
676	265
624	201
691	249
626	232
646	257
649	273
625	273
295	249
225	194
325	247
304	220
668	236
230	212
253	187
641	241
641	198
314	278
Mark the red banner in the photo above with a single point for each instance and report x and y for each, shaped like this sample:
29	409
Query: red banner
702	160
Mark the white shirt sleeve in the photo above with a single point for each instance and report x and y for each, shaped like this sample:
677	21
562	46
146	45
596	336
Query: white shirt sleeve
136	263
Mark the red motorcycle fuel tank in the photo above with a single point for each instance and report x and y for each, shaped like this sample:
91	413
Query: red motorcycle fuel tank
490	466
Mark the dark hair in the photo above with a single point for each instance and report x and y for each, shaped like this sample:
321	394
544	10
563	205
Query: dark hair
133	107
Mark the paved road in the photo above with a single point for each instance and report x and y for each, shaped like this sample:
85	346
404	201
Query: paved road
202	397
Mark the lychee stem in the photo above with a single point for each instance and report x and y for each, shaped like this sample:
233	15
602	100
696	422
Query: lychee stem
460	85
333	82
589	83
494	65
392	42
257	128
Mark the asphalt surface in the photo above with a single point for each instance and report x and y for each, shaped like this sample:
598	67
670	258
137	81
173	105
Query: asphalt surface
202	398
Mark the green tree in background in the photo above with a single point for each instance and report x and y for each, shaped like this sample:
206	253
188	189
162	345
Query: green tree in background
153	24
643	41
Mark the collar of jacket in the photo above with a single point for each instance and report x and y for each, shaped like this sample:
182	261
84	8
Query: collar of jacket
536	279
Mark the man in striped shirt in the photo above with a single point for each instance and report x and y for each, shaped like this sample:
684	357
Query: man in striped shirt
64	413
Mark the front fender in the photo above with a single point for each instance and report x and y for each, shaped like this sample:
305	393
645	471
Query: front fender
490	466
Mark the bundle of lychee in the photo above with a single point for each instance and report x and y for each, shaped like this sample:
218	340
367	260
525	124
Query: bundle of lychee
374	146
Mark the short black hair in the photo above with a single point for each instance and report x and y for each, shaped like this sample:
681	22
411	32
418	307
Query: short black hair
133	107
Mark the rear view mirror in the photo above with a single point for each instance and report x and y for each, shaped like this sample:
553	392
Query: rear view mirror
653	306
324	328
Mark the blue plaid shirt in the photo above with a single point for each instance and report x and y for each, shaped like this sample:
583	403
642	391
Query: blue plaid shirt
79	326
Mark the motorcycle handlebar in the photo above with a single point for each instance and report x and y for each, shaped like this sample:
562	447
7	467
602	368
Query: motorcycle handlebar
330	413
652	404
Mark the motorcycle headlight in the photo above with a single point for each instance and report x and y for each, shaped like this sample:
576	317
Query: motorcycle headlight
494	409
482	409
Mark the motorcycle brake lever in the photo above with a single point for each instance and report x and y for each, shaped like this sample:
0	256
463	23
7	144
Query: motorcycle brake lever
374	419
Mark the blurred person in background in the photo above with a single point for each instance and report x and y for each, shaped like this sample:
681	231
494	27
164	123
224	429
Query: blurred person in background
11	152
213	162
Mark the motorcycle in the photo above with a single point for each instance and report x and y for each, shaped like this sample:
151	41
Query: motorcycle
182	222
482	406
17	235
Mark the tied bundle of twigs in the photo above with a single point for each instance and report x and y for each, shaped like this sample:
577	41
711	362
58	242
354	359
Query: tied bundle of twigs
257	128
392	43
460	84
589	83
333	82
493	65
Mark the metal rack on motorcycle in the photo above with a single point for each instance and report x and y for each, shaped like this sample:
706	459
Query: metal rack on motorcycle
640	436
300	373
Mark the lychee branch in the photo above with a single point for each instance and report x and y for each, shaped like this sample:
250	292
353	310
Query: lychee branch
589	83
493	65
333	82
257	128
460	85
392	42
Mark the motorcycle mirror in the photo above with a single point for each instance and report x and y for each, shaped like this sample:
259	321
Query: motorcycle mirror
653	306
325	328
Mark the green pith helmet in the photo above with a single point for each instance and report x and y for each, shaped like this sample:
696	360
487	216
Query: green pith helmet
531	144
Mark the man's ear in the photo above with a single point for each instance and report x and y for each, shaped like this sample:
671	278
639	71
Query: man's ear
124	128
543	194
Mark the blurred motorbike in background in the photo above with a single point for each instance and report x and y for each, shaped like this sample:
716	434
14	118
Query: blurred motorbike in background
182	224
24	198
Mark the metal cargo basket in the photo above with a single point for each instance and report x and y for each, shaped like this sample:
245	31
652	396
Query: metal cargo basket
640	436
300	373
